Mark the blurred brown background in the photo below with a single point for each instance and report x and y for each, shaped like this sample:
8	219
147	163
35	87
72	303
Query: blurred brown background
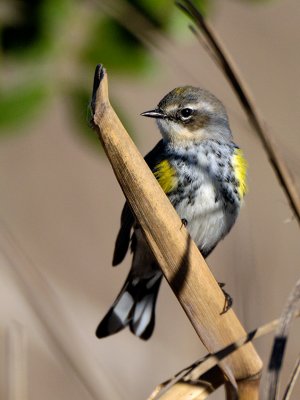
60	207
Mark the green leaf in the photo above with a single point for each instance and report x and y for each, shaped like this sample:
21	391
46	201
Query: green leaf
18	105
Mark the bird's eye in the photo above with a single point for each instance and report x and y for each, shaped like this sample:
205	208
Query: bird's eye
186	113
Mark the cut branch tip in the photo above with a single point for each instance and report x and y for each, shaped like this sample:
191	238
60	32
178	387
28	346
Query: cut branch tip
99	87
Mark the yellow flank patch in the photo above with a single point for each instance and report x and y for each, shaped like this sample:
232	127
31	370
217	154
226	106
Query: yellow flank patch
240	170
166	176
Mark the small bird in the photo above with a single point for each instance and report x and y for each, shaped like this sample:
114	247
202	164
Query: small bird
203	173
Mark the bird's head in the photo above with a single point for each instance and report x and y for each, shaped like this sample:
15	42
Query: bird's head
190	114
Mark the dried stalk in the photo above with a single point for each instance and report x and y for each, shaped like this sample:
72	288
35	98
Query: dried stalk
200	367
188	391
292	381
279	345
198	389
180	260
234	76
213	359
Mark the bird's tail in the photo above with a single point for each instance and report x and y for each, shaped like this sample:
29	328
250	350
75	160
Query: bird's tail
133	307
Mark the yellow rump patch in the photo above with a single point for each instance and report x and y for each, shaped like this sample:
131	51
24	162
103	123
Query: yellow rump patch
166	176
240	170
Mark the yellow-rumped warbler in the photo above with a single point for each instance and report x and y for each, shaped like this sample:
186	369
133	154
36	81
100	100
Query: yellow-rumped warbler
203	173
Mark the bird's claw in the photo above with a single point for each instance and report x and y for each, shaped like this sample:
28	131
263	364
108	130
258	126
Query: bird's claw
183	223
228	299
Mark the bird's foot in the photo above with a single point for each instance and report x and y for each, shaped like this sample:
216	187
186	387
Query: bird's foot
228	299
183	223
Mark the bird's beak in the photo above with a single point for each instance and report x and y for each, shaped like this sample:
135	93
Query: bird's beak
157	113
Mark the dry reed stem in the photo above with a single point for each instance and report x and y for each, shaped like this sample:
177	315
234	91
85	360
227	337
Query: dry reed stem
200	367
279	345
199	389
292	381
188	391
247	390
206	384
213	359
227	65
180	260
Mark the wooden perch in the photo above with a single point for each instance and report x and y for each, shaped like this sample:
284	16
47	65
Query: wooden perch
180	260
198	389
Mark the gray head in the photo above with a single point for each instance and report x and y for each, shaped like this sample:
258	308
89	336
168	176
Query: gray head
190	113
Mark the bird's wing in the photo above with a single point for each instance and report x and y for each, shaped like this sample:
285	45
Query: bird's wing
123	238
153	158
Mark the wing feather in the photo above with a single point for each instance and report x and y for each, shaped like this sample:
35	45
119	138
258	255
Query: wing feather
127	220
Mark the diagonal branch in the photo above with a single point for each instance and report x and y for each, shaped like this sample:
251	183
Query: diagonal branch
180	260
199	368
234	76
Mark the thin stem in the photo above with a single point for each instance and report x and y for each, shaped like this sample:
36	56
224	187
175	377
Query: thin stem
292	381
280	344
203	365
